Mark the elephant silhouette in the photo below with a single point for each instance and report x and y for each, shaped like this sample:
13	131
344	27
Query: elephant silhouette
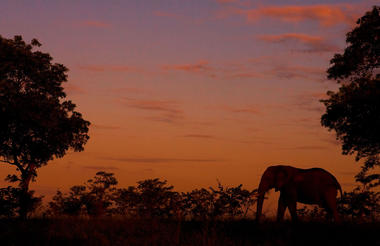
309	186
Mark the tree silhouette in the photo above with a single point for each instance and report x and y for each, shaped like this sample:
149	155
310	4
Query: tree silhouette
220	202
71	204
154	198
354	111
37	122
95	198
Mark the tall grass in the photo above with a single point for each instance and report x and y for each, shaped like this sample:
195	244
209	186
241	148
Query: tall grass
117	231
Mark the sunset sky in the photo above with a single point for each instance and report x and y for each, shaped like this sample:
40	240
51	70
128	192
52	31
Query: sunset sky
191	91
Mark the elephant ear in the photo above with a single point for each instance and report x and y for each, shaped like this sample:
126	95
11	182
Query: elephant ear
282	178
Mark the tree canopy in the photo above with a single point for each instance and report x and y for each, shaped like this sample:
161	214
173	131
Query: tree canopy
37	122
353	112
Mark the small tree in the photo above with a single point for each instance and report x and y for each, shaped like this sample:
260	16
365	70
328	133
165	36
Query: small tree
220	202
95	198
199	204
37	122
100	194
71	204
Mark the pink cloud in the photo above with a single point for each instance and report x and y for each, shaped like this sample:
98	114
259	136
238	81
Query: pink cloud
106	127
74	89
159	13
250	109
310	101
167	111
105	68
199	136
244	75
95	23
325	15
227	1
310	42
154	105
129	90
200	66
293	72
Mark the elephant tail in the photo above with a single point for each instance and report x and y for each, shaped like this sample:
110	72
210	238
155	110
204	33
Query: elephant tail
338	187
340	190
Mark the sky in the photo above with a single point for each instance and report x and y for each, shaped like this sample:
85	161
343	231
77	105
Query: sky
192	91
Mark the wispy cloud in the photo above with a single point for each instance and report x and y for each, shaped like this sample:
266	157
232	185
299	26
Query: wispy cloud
199	67
325	15
244	75
105	127
249	109
160	13
101	167
157	160
294	72
305	147
129	90
74	89
105	68
310	101
166	110
95	23
202	136
310	43
168	106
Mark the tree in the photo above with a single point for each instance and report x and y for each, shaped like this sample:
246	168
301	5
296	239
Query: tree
37	122
354	111
156	199
94	198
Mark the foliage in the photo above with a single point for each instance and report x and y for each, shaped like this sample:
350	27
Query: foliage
199	204
93	199
37	122
151	198
363	202
353	112
222	202
309	214
139	232
360	204
362	55
10	200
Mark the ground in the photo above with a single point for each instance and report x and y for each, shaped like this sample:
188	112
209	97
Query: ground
74	231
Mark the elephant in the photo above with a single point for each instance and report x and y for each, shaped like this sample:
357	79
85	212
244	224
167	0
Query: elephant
309	186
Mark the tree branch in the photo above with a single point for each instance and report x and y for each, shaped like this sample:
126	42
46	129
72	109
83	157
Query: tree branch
8	162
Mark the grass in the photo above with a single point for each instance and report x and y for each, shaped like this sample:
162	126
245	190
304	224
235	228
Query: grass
108	231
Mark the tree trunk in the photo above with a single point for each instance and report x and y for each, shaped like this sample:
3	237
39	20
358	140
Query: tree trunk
24	198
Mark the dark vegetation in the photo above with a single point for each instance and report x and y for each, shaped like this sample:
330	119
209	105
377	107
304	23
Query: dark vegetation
195	233
152	212
353	112
37	122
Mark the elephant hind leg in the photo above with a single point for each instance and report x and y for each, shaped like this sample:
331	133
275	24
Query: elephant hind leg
281	208
293	210
331	205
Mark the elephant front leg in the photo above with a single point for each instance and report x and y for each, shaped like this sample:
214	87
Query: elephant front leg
281	208
293	210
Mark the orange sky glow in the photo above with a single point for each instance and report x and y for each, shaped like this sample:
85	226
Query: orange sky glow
192	91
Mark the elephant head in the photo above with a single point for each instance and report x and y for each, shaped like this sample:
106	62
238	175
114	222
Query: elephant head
274	177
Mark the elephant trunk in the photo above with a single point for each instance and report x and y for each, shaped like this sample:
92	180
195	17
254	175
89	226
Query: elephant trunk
263	188
259	209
